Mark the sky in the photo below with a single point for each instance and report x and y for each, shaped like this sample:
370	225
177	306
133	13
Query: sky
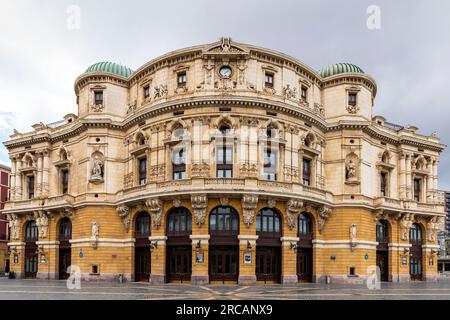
46	44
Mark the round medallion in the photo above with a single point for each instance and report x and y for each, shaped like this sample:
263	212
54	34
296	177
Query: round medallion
226	72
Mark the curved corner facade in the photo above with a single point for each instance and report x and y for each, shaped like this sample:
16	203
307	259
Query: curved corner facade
224	163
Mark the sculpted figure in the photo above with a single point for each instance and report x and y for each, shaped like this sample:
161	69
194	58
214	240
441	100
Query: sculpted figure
351	170
97	169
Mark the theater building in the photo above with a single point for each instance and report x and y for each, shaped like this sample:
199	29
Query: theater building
4	193
225	163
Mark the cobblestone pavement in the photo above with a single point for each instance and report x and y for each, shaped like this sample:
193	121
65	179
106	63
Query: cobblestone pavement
51	290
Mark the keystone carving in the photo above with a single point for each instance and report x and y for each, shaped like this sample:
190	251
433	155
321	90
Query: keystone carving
155	206
293	208
379	215
124	213
249	204
323	214
199	204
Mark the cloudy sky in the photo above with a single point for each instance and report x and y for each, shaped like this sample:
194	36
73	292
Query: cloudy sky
41	53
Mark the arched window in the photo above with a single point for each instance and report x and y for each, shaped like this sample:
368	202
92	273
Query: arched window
65	230
225	129
305	227
142	225
268	221
382	232
415	234
31	232
224	220
179	222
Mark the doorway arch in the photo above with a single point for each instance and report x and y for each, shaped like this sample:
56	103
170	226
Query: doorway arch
179	245
268	246
31	250
224	245
415	260
305	248
142	255
65	248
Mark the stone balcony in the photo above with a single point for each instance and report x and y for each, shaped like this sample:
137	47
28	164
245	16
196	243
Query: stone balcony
408	206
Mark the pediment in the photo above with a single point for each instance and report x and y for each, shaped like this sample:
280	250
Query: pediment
225	47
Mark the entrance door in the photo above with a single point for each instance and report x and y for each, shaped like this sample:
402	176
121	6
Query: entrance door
304	264
268	264
179	264
415	261
383	264
65	256
31	254
142	264
224	263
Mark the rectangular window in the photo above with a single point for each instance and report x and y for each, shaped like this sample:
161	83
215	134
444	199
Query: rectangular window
269	80
179	164
181	80
383	180
306	172
30	187
142	171
65	181
304	93
352	99
146	92
417	189
270	165
98	97
224	161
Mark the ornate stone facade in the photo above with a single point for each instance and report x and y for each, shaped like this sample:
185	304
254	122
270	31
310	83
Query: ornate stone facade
216	130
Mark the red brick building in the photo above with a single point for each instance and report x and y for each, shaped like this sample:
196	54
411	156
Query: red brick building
4	194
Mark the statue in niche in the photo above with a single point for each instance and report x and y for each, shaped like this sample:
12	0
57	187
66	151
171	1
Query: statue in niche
97	170
94	230
353	232
351	170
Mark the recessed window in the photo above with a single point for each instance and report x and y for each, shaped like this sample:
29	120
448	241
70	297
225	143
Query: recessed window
352	271
352	99
306	172
383	184
98	97
30	181
225	130
179	164
95	269
417	189
269	80
65	181
270	133
270	165
146	92
224	161
304	93
181	79
142	171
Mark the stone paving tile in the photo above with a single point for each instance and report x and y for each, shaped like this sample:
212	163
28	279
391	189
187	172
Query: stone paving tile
57	290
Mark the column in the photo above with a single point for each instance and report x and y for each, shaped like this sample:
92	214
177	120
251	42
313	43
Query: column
18	180
253	150
409	188
12	179
158	260
287	165
435	178
39	183
402	176
430	181
45	174
247	258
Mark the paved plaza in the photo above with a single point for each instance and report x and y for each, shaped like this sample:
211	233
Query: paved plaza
57	290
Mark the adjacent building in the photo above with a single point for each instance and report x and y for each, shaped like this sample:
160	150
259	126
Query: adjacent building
225	163
4	235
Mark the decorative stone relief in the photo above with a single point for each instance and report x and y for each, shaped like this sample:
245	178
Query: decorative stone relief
124	213
323	214
97	108
353	109
405	224
160	91
271	203
379	215
155	206
248	169
42	223
433	228
176	203
289	93
224	202
249	204
199	204
97	167
353	235
293	208
200	170
14	226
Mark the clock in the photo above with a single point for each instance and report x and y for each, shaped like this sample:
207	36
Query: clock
225	72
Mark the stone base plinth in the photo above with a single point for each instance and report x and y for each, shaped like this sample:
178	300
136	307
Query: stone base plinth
289	279
247	280
157	279
199	280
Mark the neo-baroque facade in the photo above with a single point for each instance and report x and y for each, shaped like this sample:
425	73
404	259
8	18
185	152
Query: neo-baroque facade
224	163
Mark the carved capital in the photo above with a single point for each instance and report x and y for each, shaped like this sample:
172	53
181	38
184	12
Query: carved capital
249	205
155	206
323	213
199	205
124	213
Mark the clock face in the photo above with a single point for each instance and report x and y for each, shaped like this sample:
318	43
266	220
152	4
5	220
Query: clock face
226	72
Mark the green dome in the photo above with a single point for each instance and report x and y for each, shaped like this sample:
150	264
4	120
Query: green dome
338	68
110	67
